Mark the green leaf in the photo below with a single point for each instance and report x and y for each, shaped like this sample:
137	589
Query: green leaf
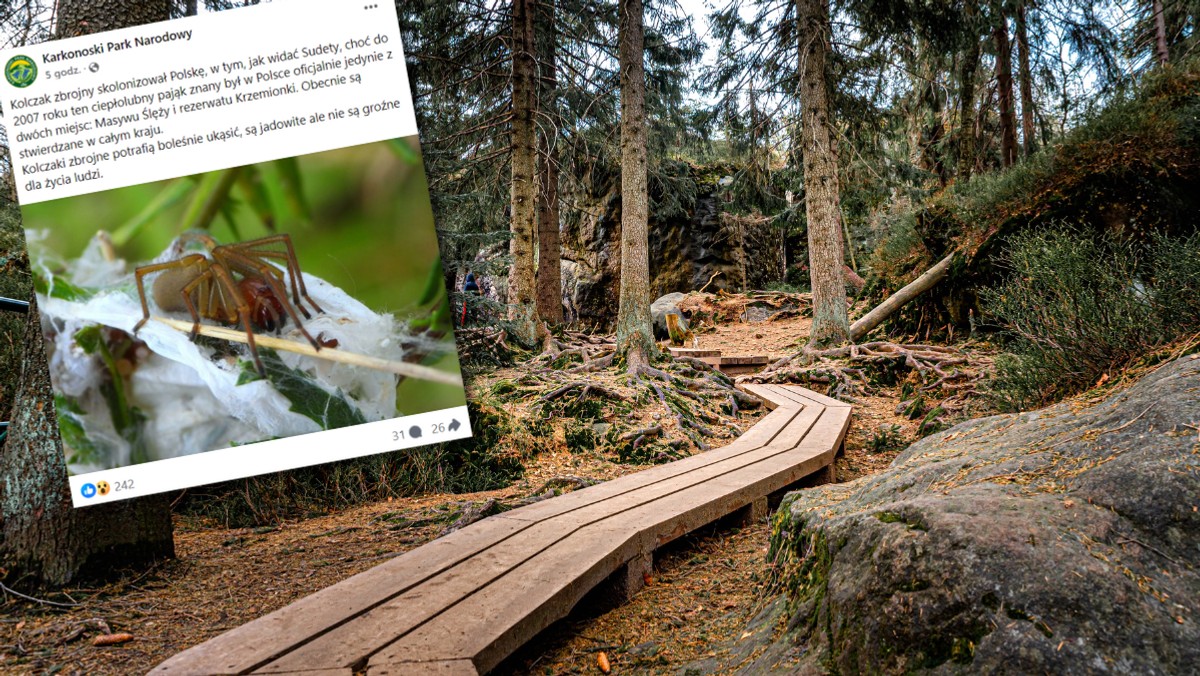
75	437
57	287
165	199
250	183
210	196
329	410
88	338
435	283
293	188
404	151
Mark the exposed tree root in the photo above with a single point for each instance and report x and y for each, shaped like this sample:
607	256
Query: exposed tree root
483	345
473	512
584	390
941	368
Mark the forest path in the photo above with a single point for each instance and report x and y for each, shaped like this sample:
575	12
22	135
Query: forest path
467	600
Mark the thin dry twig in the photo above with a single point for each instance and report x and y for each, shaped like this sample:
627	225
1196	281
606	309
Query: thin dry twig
400	368
18	594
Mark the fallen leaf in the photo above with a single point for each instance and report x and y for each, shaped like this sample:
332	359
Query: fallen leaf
112	639
602	662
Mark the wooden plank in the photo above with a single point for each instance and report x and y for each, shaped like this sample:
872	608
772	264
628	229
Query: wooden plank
759	435
543	589
260	640
462	603
801	393
768	397
431	668
345	644
693	352
731	360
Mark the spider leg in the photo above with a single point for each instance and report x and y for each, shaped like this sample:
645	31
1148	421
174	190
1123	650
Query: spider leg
196	236
197	284
292	276
248	266
252	248
228	287
142	271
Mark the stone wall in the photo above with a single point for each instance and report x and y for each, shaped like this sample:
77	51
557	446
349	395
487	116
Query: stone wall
685	251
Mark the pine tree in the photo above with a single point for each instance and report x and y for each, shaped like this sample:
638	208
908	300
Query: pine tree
831	324
635	340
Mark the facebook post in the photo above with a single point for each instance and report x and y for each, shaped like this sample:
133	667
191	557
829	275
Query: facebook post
232	245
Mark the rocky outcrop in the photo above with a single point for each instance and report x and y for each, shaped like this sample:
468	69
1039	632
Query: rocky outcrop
1065	540
686	249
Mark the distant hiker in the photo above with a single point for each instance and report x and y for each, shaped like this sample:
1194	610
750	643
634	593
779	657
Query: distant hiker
469	287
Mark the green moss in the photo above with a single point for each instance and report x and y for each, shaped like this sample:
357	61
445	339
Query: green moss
912	522
580	437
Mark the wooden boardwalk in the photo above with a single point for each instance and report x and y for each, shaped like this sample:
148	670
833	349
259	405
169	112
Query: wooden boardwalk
462	603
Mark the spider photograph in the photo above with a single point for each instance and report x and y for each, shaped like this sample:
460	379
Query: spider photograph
251	303
204	285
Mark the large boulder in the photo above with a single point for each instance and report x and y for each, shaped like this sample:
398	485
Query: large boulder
1065	540
659	310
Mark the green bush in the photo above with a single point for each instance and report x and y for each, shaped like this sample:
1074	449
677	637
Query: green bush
1176	279
1075	308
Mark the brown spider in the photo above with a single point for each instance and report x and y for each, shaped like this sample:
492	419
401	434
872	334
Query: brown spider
234	284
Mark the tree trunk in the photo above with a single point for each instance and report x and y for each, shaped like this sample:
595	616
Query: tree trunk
821	190
901	298
521	285
1160	34
1004	78
46	540
1027	130
84	17
549	271
966	109
635	341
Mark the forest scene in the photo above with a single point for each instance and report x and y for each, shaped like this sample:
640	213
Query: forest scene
976	223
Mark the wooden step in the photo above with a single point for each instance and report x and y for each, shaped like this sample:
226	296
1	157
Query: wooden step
462	603
737	364
696	352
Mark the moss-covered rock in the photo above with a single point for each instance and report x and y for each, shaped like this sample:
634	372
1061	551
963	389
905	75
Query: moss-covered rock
1057	541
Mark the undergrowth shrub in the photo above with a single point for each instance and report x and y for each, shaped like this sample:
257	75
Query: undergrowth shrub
1176	279
1075	307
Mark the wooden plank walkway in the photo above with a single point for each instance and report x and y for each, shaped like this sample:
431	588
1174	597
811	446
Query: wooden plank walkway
462	603
728	364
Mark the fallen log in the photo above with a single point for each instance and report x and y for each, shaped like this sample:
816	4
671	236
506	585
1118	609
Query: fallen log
901	298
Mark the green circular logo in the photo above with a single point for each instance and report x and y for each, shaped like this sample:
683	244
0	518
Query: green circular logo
20	71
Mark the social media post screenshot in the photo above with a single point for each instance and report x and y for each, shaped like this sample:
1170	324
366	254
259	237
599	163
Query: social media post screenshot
233	248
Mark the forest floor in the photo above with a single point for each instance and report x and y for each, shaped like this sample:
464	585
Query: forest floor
705	589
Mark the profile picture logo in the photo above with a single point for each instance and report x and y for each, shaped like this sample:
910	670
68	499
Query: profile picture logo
88	490
20	71
103	487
